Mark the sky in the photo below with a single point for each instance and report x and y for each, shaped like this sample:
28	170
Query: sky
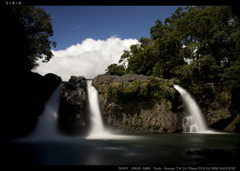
90	38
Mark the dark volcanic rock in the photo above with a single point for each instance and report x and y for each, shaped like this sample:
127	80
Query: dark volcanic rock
73	108
138	104
23	100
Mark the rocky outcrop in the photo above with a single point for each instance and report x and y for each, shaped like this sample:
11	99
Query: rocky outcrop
234	126
138	104
216	106
23	99
216	116
73	109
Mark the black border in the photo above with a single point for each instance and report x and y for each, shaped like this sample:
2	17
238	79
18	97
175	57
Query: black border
234	3
126	167
122	2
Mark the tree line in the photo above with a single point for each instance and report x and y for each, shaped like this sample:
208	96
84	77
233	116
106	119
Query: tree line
199	46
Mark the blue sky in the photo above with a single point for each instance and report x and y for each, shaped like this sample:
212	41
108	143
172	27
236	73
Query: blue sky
90	38
73	24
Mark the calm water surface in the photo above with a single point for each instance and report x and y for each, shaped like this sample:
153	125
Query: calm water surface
157	149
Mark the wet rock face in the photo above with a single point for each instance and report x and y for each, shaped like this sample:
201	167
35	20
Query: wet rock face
126	106
73	108
130	104
156	119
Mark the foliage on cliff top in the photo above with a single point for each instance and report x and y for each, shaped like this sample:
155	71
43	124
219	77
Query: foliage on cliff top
138	88
200	46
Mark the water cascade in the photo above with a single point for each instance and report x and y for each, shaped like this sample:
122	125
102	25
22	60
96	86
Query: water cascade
97	127
194	122
46	128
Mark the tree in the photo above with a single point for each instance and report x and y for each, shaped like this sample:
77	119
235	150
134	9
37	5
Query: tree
157	56
115	69
141	58
27	31
208	34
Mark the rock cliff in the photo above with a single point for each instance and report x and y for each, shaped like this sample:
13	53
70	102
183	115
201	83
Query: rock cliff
73	108
142	104
138	104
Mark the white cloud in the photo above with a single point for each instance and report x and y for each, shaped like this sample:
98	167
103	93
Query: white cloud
88	59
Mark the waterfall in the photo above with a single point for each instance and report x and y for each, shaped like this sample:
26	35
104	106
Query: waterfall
98	131
97	127
46	128
195	122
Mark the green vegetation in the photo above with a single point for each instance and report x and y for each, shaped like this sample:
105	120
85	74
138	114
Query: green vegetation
200	47
115	69
150	89
28	30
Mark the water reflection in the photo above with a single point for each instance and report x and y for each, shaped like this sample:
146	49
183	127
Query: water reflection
158	149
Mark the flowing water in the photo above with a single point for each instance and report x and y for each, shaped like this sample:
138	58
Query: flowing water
159	149
195	121
98	131
104	148
47	122
97	128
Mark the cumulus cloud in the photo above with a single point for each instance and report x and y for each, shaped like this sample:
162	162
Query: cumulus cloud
88	59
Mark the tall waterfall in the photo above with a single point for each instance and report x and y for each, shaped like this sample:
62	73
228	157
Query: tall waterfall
46	128
195	122
97	127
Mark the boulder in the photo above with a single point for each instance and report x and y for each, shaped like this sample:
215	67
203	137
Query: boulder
73	109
